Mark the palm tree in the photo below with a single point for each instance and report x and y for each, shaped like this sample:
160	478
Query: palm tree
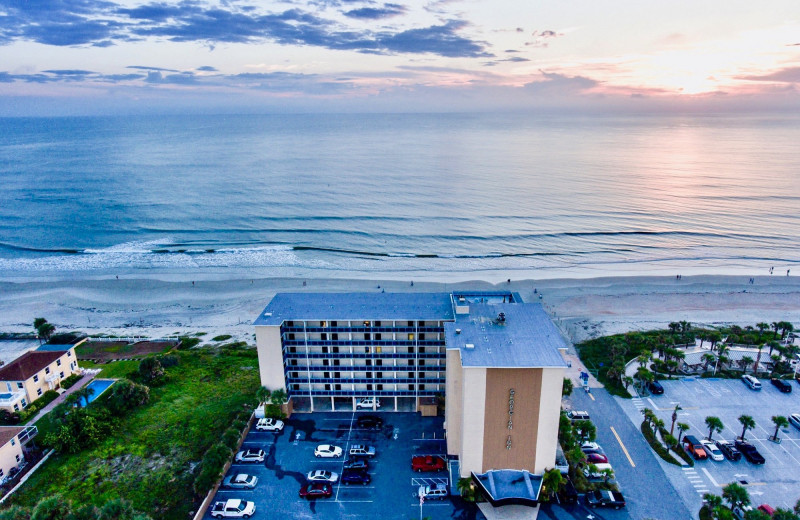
786	327
278	396
747	422
775	327
674	326
758	359
707	358
682	427
736	495
773	345
627	381
762	326
263	394
83	395
551	482
744	362
780	422
674	418
713	502
466	489
714	425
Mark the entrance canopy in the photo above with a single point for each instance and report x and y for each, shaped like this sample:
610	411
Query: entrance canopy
504	487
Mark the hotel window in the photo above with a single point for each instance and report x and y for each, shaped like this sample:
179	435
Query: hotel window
380	387
411	362
421	362
421	323
337	387
369	387
410	336
369	375
24	403
367	336
19	385
410	323
411	375
326	375
377	324
16	407
327	386
293	362
290	324
293	350
379	362
335	350
1	472
35	379
296	387
378	375
291	336
324	350
366	324
47	370
323	324
334	324
366	350
39	391
295	374
69	354
421	336
13	442
326	362
369	362
335	336
17	457
337	375
324	336
411	387
422	375
336	362
61	375
422	387
377	336
58	362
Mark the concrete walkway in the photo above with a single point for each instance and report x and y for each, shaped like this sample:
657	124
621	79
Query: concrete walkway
80	383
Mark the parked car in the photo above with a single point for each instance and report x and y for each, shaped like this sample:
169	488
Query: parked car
751	382
794	420
578	415
362	450
354	476
322	475
269	424
740	511
316	490
729	450
591	447
369	402
781	385
605	498
568	494
598	473
655	388
436	491
358	464
327	451
369	422
233	508
694	448
766	508
422	463
240	481
749	452
714	453
596	458
250	456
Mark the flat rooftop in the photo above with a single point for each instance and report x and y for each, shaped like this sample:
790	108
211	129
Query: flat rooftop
356	306
527	338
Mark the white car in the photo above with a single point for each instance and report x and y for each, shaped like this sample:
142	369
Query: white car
713	451
794	420
250	456
591	446
321	475
327	451
269	424
369	402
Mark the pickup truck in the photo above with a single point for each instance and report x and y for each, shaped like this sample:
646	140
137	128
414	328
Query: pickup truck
605	499
233	508
422	463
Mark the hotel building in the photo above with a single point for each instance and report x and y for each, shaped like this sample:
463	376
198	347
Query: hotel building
494	359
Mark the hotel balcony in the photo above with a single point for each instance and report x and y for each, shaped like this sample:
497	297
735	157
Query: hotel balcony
8	399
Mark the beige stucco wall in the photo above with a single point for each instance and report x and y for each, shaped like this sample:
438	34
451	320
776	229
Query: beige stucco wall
8	455
32	387
472	420
549	411
454	404
270	356
18	401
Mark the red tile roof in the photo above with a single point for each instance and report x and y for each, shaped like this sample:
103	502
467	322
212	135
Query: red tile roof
9	432
27	365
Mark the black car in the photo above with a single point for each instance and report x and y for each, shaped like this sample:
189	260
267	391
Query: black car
369	422
750	452
357	464
729	450
655	388
782	385
354	476
568	494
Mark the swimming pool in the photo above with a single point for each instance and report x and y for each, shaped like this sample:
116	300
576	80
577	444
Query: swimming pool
99	386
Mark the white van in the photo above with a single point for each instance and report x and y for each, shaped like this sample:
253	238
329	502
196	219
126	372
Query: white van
595	475
751	382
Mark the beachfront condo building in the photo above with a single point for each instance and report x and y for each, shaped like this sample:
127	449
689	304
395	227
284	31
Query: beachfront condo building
12	448
28	377
492	360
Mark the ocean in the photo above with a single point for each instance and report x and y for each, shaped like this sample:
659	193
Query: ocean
401	196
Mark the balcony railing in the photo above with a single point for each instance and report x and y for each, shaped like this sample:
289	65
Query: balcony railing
8	399
27	434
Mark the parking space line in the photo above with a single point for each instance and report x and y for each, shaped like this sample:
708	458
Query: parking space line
710	477
624	449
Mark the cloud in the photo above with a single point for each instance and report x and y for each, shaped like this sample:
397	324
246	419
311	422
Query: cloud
69	72
560	84
376	13
787	75
439	39
512	59
207	68
122	77
183	78
141	67
541	38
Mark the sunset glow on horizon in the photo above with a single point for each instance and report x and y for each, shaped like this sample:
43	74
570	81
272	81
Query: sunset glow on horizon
117	56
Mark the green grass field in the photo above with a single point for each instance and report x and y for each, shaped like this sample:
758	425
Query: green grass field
149	458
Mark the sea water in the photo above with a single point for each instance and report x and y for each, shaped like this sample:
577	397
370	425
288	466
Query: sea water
399	195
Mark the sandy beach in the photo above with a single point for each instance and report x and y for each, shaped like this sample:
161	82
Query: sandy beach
583	308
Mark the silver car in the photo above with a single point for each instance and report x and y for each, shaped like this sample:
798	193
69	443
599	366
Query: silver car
794	420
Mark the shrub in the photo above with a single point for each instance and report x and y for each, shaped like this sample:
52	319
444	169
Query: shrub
76	429
151	372
9	418
69	381
126	395
168	360
187	342
231	438
211	468
222	337
656	445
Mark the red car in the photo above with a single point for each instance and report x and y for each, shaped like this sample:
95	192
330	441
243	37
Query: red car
596	458
316	490
422	463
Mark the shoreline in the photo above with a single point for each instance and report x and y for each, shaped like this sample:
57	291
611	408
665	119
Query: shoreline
582	307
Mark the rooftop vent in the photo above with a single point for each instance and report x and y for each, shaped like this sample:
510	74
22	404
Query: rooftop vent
267	314
501	318
469	346
458	331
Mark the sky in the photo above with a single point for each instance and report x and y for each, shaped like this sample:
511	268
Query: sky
70	57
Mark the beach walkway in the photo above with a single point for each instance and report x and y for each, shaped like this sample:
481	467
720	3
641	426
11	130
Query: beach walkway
80	383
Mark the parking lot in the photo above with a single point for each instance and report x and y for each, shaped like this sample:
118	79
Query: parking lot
391	492
777	482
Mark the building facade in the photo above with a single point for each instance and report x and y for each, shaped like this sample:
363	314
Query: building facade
12	447
494	359
32	374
